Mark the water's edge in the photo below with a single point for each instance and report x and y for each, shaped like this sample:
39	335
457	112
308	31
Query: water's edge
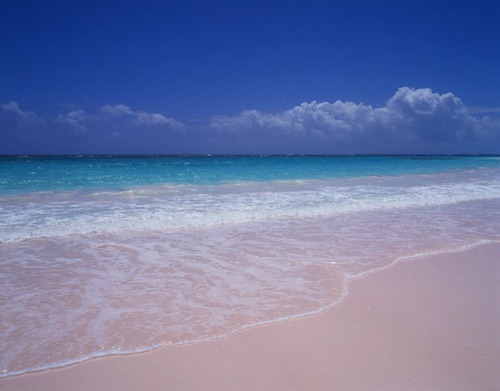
330	306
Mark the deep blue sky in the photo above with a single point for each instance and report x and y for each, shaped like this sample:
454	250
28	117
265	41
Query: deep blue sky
242	76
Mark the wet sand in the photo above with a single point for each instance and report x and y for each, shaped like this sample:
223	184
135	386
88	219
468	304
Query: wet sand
431	323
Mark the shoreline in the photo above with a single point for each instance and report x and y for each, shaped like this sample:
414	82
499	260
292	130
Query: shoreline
337	347
321	310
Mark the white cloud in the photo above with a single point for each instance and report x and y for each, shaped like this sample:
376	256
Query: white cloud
24	119
411	115
483	109
142	118
411	120
153	119
117	110
12	107
73	118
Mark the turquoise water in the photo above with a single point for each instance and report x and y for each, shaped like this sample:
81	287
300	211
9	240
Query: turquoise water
22	174
202	246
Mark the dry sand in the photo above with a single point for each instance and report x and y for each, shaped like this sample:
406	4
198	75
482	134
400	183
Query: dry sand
431	323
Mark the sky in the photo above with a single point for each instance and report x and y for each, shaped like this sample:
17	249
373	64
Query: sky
313	77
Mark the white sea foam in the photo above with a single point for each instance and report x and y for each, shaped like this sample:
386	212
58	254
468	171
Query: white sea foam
172	208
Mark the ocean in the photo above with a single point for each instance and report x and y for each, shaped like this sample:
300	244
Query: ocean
107	255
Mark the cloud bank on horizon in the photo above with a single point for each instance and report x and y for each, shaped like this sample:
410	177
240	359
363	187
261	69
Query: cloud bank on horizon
142	117
412	121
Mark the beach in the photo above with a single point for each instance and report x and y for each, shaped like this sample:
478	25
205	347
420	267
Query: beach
249	272
249	196
427	323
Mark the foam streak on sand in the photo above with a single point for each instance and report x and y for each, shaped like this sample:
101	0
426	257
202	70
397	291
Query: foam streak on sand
431	323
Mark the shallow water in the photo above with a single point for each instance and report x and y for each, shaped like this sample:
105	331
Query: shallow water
95	269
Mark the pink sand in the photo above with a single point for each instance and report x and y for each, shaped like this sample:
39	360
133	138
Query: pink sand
430	323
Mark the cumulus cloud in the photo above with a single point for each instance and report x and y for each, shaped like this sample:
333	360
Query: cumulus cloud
74	118
411	121
24	119
142	118
117	110
410	116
